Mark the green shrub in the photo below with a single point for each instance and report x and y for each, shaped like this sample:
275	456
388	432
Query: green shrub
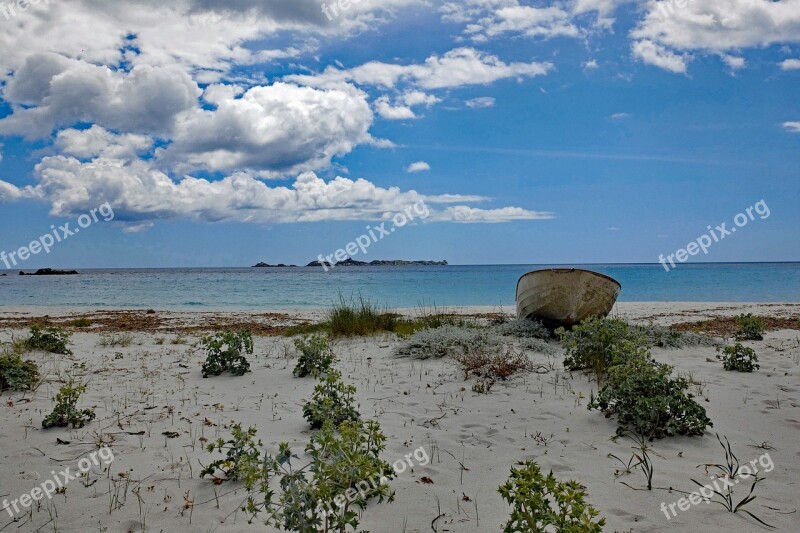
666	337
224	353
16	373
65	413
647	400
542	503
242	454
359	318
53	340
738	358
446	340
80	323
331	401
751	328
345	473
316	356
598	344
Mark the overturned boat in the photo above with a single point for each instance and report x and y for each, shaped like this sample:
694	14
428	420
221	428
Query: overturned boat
565	296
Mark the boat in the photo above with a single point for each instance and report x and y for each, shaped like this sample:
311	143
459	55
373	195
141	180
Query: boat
565	296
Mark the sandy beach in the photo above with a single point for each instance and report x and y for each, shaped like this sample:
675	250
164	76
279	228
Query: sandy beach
156	412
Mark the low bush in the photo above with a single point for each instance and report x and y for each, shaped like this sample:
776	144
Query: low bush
484	364
331	401
598	344
751	328
521	328
16	373
541	503
344	474
444	341
647	400
316	356
738	358
66	413
225	353
242	455
665	337
52	339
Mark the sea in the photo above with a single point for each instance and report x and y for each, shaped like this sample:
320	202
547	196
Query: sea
387	287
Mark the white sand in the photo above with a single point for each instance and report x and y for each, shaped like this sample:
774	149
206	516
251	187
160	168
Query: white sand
418	403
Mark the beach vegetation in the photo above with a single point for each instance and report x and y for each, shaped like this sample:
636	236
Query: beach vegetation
50	339
640	459
647	400
751	328
122	340
732	470
344	474
82	322
225	352
599	344
493	364
666	337
542	503
446	341
332	400
17	374
316	356
359	317
523	329
738	358
66	412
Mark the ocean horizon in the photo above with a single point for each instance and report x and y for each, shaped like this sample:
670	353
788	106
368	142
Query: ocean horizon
392	287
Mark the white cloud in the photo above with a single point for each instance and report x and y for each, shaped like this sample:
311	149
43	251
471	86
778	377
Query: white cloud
419	166
141	194
734	62
98	141
793	127
471	215
670	30
790	64
457	68
591	65
660	56
528	21
393	112
274	130
50	91
620	116
481	102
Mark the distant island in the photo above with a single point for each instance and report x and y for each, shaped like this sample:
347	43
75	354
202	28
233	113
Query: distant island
353	262
51	272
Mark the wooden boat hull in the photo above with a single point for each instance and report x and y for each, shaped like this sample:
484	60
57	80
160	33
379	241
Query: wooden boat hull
565	296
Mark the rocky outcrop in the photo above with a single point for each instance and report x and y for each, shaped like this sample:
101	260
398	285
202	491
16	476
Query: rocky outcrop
50	272
379	262
319	264
267	265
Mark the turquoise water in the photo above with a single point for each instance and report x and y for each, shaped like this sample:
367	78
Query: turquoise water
251	288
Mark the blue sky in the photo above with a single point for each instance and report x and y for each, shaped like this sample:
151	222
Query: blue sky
580	131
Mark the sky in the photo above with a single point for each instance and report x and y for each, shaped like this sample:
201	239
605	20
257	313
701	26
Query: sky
224	133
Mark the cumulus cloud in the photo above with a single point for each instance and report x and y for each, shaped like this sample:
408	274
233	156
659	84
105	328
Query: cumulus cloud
275	130
98	141
793	127
670	31
51	91
141	194
456	68
419	166
391	111
790	64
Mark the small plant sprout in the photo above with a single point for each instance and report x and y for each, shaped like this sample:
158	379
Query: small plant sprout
639	459
730	473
